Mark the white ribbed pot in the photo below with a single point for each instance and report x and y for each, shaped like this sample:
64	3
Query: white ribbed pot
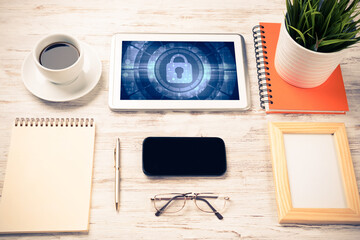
302	67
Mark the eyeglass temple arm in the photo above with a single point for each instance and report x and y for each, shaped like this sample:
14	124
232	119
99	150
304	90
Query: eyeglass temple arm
158	212
217	214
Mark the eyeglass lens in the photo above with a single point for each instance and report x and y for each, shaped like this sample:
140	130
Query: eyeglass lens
170	203
208	202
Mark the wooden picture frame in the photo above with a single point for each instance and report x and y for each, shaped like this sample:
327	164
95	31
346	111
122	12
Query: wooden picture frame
350	214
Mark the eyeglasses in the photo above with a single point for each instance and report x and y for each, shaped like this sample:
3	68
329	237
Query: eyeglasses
174	202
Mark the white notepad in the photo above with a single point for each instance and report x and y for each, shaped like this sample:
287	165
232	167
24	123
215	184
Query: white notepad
48	176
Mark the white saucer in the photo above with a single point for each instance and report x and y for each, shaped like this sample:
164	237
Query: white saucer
38	85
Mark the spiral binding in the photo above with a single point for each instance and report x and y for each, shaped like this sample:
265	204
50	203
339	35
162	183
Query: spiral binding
54	122
261	65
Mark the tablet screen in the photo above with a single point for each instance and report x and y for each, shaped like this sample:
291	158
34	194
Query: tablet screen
178	70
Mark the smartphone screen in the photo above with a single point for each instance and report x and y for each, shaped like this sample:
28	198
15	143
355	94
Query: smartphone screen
180	156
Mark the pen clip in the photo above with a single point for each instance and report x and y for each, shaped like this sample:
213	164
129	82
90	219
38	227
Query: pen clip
115	157
117	154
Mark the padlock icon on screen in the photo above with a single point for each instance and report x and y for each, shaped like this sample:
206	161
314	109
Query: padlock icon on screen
179	72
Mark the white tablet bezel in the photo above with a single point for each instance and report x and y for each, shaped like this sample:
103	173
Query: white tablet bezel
115	103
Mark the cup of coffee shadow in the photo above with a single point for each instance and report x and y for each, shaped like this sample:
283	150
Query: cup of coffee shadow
59	57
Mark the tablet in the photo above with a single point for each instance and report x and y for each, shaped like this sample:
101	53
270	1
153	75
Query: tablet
178	72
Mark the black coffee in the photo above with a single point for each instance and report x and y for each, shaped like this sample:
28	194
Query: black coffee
59	55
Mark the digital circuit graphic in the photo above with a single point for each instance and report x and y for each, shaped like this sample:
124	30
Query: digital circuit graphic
160	70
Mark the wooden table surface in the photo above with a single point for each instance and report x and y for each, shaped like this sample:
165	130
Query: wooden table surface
252	213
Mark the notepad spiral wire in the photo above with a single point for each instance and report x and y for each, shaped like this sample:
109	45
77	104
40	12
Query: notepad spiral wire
54	122
261	65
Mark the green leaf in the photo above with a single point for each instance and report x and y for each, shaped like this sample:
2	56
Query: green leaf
335	41
295	10
327	20
343	4
300	34
343	35
312	18
304	18
288	9
308	34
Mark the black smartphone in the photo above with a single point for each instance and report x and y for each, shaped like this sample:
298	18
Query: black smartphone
184	156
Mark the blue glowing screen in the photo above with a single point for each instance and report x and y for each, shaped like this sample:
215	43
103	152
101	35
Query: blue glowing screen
159	70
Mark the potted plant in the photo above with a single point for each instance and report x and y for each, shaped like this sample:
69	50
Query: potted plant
313	38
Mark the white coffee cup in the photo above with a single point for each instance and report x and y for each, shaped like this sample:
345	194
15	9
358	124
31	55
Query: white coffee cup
64	75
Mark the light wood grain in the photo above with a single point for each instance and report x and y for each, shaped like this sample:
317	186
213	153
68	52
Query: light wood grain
252	212
289	214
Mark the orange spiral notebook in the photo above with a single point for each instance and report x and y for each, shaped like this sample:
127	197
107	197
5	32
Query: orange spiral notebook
277	96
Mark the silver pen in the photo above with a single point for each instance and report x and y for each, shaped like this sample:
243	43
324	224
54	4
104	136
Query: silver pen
117	174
